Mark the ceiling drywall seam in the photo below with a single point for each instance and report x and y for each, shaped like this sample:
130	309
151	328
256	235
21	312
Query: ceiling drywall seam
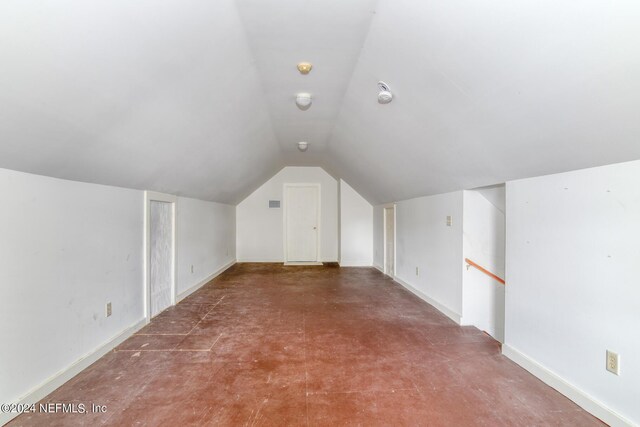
263	94
353	69
278	164
333	161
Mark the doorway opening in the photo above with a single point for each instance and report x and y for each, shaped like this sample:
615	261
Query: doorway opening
390	241
302	224
160	253
483	285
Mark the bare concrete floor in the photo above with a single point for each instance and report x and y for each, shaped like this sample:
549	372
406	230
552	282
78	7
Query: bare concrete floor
265	344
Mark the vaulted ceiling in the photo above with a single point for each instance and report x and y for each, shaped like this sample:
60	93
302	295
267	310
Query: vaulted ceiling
196	97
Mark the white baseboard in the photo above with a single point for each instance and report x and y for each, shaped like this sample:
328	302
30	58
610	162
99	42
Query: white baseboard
588	403
276	261
301	263
354	264
441	307
41	391
378	267
184	294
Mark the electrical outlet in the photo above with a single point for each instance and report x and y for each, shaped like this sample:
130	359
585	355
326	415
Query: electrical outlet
449	221
417	272
613	362
192	269
108	309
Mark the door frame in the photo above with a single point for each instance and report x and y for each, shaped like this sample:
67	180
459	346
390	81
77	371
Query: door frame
152	196
384	238
285	186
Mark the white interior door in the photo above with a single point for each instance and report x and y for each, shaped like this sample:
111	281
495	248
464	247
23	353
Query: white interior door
161	255
302	223
390	238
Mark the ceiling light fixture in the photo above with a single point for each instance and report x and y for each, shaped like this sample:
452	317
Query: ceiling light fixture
303	145
303	101
384	96
305	67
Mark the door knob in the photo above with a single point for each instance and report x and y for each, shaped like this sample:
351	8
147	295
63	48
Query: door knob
314	228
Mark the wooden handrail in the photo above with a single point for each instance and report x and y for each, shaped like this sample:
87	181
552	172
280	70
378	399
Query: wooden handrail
484	270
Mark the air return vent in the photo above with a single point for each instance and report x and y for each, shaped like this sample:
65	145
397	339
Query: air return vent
274	204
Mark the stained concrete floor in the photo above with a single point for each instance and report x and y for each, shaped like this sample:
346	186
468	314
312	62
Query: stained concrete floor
265	344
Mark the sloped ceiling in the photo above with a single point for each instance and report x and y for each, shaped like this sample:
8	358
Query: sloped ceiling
150	94
196	97
327	33
489	92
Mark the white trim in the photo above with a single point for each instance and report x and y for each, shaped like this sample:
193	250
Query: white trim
294	263
182	295
441	307
284	218
150	196
384	238
582	399
379	268
275	261
58	379
355	263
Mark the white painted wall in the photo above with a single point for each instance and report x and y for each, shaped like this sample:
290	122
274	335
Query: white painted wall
573	274
206	240
66	249
378	236
160	255
259	230
356	228
495	194
483	242
425	241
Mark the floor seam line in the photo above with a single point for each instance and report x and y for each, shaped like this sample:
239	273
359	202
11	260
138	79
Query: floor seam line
203	317
214	343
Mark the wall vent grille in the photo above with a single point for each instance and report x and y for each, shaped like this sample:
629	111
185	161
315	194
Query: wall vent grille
274	204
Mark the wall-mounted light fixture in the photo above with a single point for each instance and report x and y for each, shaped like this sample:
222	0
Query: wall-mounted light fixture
303	145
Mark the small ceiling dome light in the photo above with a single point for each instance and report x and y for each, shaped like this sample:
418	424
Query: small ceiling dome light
303	101
384	96
305	67
303	145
